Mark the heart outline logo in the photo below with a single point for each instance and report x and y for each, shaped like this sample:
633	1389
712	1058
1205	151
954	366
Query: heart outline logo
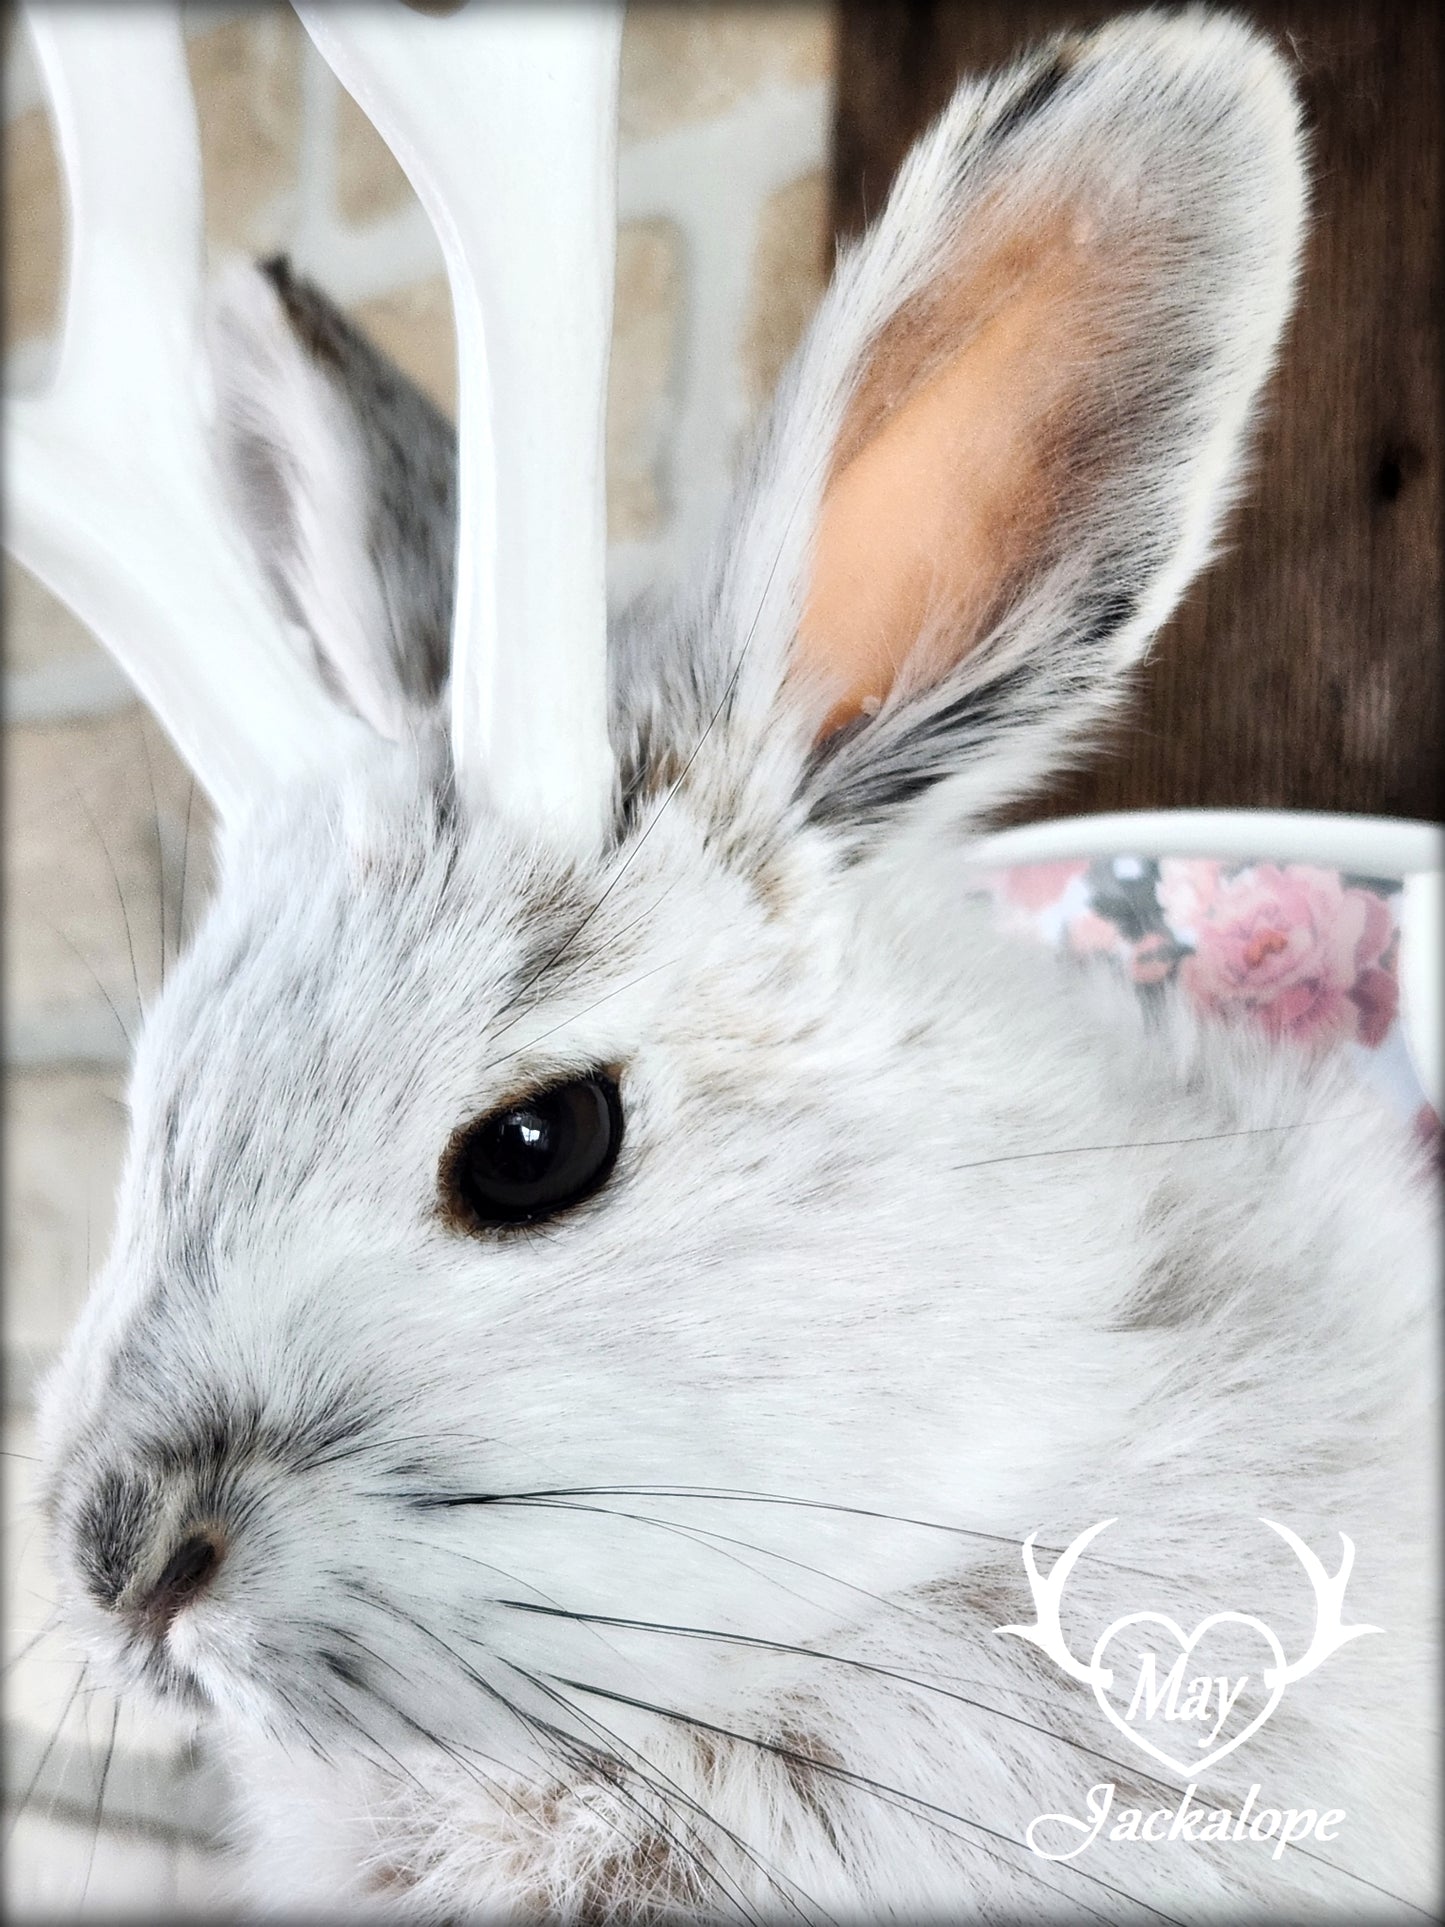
1330	1632
1102	1678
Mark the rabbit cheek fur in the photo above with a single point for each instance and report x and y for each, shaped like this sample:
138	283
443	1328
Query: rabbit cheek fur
906	1225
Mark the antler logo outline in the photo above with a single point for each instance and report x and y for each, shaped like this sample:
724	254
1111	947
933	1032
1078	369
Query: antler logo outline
1330	1633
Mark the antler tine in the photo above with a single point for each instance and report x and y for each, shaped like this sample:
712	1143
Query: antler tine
115	502
1047	1631
1329	1590
504	118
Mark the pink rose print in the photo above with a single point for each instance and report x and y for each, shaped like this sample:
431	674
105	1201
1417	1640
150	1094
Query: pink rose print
1153	958
1149	961
1036	885
1021	894
1295	949
1091	935
1186	889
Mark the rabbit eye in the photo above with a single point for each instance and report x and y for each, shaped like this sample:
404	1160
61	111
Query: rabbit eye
535	1158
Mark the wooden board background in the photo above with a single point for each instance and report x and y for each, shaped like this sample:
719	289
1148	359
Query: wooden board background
1304	670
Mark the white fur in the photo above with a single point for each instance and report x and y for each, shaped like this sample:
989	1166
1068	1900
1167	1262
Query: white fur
918	1243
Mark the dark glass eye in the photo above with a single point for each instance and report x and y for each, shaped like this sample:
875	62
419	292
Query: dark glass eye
539	1155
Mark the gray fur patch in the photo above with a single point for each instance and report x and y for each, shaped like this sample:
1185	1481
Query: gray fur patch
410	451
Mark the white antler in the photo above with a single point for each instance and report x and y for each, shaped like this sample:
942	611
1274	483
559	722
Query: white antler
1047	1633
1330	1633
504	118
114	500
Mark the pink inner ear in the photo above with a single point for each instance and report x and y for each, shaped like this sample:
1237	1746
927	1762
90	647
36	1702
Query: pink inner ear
950	470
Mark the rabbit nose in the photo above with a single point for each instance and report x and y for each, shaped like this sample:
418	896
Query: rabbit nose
185	1575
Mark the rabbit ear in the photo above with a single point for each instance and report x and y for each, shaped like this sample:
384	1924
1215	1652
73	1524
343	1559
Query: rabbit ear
344	475
1017	417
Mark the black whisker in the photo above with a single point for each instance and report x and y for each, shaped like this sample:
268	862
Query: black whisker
572	1017
565	981
640	839
406	1618
105	1766
528	1721
160	848
1126	1768
1157	1143
47	1750
699	1535
311	1740
454	1552
730	1495
663	1787
119	893
596	1758
876	1668
715	1873
30	1644
932	1686
344	1714
709	1536
95	978
927	1810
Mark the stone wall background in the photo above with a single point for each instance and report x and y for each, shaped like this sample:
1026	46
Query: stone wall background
725	116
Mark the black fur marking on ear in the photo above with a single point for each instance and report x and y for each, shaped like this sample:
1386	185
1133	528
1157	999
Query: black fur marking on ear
321	329
915	760
1104	616
410	452
911	760
1035	94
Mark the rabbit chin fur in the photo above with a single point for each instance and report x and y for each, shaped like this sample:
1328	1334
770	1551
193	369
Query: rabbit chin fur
917	1243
